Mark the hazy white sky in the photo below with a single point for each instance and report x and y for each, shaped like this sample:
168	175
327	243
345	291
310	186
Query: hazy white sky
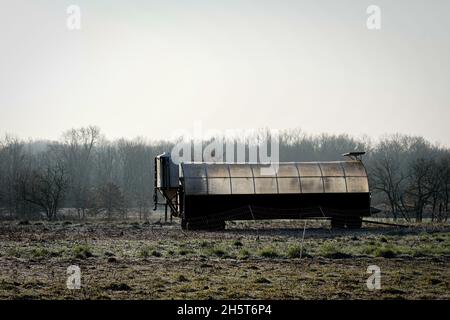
148	68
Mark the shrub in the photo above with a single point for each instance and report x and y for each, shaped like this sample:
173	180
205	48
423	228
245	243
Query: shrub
383	239
6	285
330	250
294	252
40	253
262	280
156	253
385	252
144	252
183	252
237	243
82	252
118	287
182	278
205	244
244	254
268	252
14	252
429	250
217	251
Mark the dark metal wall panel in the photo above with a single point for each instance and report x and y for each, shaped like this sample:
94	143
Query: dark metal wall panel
194	186
306	205
174	175
167	172
194	170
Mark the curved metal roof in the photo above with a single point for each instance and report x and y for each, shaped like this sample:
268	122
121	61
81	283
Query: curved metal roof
292	177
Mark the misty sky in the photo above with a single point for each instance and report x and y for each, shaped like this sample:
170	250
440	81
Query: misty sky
147	68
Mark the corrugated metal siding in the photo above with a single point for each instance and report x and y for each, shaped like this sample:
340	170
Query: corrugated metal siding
301	177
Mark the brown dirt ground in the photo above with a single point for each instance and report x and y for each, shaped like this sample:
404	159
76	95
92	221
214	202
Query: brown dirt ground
135	260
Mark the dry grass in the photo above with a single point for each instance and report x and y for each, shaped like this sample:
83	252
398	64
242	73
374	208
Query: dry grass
143	261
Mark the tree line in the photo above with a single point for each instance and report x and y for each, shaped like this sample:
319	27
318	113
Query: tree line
85	175
409	177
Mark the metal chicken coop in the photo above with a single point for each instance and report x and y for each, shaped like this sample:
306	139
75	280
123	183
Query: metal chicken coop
205	195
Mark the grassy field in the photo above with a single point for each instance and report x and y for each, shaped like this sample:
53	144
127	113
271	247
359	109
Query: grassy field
136	260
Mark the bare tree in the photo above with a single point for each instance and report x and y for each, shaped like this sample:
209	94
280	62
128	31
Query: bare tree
45	187
407	174
387	174
136	167
76	150
422	186
109	200
12	159
444	191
